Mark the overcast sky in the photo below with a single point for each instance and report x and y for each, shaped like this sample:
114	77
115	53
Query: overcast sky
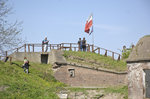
116	22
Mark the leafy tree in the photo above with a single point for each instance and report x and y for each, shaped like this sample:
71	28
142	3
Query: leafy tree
9	32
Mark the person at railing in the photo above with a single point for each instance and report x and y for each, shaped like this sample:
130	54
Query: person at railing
84	44
26	65
80	44
45	44
124	49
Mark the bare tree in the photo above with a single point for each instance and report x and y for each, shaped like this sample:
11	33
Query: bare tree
9	32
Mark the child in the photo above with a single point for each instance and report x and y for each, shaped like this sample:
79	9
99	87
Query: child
26	65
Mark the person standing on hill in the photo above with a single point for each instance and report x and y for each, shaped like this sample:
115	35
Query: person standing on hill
80	44
26	65
45	44
84	44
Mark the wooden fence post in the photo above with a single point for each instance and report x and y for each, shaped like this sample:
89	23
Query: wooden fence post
6	53
62	45
105	52
75	49
24	47
42	48
17	49
28	47
98	50
50	46
10	60
88	47
33	47
113	55
70	47
92	48
59	46
119	57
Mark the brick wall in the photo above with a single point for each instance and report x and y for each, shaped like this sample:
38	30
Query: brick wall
89	77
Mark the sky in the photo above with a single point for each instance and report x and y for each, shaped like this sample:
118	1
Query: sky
116	22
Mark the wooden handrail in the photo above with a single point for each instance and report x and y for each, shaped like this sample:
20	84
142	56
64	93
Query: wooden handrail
67	46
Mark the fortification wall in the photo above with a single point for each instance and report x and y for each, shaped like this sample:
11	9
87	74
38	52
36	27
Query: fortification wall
55	56
31	56
82	76
137	80
89	77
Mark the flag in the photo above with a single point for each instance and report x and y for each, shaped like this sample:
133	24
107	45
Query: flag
89	25
91	30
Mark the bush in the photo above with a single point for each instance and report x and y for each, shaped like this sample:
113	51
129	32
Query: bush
126	54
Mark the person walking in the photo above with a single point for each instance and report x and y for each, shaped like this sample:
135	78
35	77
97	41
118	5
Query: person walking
45	44
26	65
80	44
84	44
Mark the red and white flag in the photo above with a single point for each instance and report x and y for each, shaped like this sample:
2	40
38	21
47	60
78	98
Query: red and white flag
89	25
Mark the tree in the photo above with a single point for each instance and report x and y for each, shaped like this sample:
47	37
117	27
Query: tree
9	32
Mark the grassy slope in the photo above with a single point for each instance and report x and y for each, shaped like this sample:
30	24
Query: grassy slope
105	62
123	90
38	84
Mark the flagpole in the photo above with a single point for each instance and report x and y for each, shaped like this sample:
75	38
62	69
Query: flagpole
93	38
92	30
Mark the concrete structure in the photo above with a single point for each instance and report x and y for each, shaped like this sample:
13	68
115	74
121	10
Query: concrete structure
53	57
81	76
139	70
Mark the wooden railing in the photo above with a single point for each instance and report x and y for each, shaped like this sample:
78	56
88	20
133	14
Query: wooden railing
63	46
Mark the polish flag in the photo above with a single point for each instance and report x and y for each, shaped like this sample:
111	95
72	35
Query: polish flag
89	25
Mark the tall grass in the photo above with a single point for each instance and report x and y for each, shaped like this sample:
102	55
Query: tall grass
38	84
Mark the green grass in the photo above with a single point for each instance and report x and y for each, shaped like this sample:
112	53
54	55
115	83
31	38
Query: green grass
84	90
38	84
147	36
89	59
123	90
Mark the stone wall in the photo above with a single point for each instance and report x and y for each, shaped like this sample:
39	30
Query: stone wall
31	56
89	77
55	56
136	80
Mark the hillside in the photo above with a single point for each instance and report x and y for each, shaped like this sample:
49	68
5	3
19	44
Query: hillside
95	60
39	83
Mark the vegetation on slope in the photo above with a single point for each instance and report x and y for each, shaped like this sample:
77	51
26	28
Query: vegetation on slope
95	60
38	84
122	90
